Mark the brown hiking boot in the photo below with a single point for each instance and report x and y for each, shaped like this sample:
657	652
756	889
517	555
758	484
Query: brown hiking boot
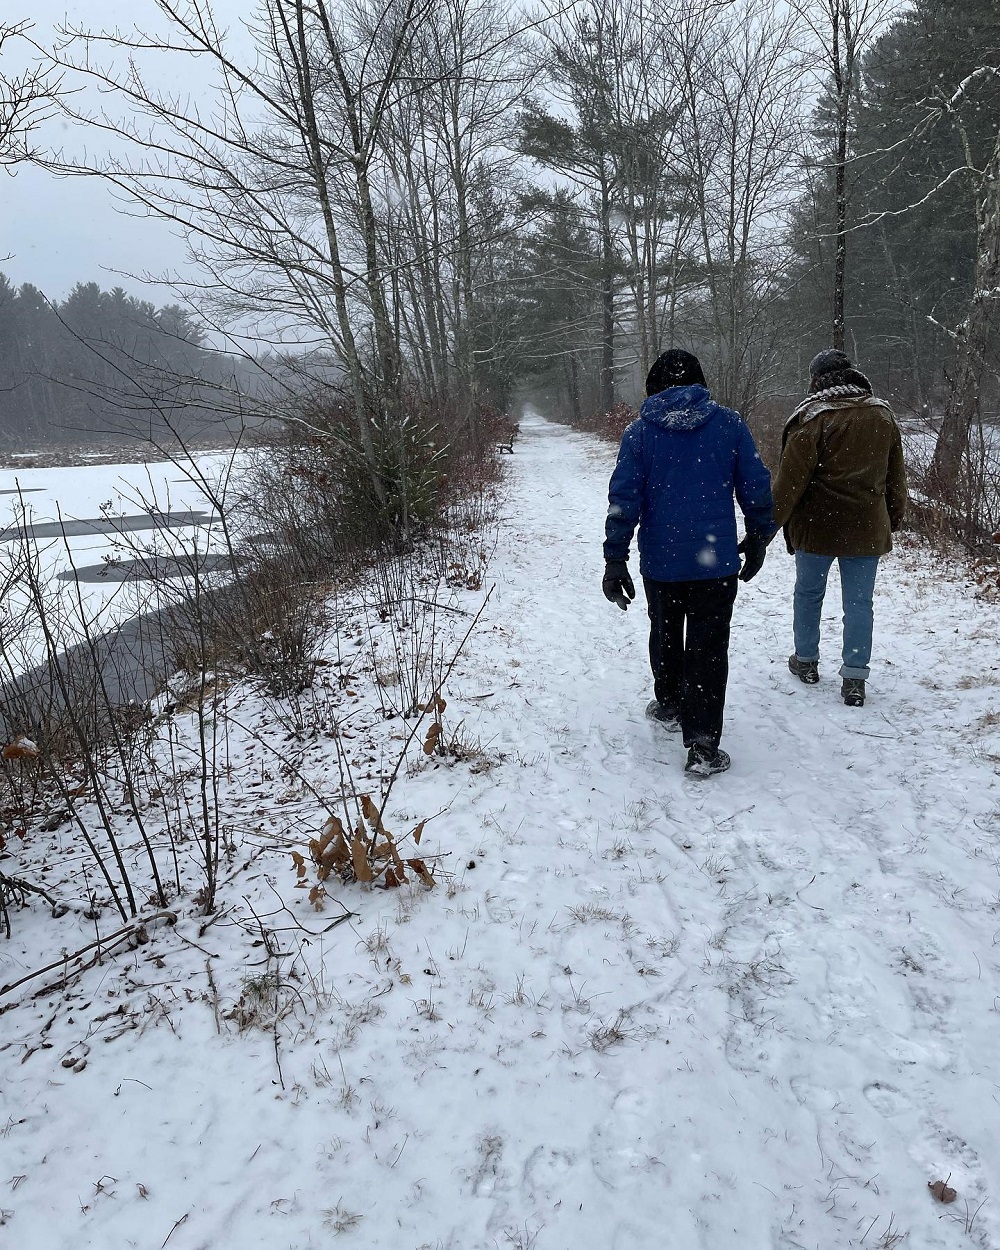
853	691
804	670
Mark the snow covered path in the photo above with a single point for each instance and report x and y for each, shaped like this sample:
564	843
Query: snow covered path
650	1013
803	951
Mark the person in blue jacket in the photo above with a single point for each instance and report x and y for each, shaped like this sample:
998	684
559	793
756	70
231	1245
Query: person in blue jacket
678	468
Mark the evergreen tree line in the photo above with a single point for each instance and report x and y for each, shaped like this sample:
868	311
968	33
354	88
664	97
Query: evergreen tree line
105	364
925	144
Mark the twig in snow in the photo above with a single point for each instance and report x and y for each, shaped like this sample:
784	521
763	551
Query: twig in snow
215	994
175	1228
210	954
869	1229
102	945
798	895
400	1151
297	924
207	924
272	957
435	696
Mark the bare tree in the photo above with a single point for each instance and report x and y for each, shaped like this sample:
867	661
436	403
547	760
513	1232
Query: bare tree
27	97
740	82
449	161
577	60
279	184
842	30
973	338
653	205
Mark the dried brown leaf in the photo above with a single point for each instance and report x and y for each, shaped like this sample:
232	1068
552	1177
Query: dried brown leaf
332	829
333	825
397	862
337	856
433	738
942	1191
317	896
422	871
371	813
21	749
300	864
330	849
418	833
359	858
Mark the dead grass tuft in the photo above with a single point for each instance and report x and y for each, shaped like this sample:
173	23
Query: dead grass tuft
590	913
606	1034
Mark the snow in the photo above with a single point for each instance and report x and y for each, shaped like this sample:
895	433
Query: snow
101	493
639	1011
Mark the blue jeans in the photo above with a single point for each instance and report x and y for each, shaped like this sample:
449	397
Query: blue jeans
857	585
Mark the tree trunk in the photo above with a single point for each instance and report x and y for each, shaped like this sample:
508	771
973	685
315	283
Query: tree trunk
317	171
843	89
980	325
607	302
574	390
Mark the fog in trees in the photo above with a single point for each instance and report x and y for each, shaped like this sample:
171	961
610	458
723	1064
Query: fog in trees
454	205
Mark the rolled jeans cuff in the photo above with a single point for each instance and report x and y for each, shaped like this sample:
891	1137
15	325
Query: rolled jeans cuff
847	671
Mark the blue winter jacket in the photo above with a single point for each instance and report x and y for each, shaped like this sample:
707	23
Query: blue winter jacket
678	468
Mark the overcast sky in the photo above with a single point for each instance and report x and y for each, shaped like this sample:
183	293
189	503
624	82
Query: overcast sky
61	231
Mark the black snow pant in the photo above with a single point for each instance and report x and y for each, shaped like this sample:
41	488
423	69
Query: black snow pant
689	651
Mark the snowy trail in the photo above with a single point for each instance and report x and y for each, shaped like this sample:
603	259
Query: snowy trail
650	1013
830	1005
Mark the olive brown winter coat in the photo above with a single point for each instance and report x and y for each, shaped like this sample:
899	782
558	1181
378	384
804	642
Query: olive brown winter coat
840	489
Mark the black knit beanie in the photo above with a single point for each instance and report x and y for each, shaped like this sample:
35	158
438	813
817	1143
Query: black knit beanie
674	368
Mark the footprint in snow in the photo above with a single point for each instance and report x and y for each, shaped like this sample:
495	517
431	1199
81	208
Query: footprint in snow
887	1100
630	1143
834	1122
545	1174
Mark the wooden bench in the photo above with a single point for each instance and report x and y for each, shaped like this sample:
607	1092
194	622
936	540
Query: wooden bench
509	430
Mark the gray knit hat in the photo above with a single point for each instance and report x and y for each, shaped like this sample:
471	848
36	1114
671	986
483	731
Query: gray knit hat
829	361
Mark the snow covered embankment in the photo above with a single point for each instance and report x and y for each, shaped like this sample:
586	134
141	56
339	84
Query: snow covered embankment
643	1012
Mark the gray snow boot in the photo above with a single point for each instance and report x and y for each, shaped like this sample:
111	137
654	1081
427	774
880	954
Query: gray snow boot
664	715
702	761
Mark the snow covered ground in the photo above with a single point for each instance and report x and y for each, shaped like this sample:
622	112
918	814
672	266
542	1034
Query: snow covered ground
638	1011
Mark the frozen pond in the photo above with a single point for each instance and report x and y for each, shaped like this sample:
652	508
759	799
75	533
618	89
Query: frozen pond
105	525
106	543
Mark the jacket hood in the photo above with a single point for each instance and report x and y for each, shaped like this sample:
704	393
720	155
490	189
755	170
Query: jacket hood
679	408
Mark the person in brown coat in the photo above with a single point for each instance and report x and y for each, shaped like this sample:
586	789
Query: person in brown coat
840	494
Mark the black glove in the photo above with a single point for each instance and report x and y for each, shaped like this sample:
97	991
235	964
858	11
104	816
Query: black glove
617	584
753	549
